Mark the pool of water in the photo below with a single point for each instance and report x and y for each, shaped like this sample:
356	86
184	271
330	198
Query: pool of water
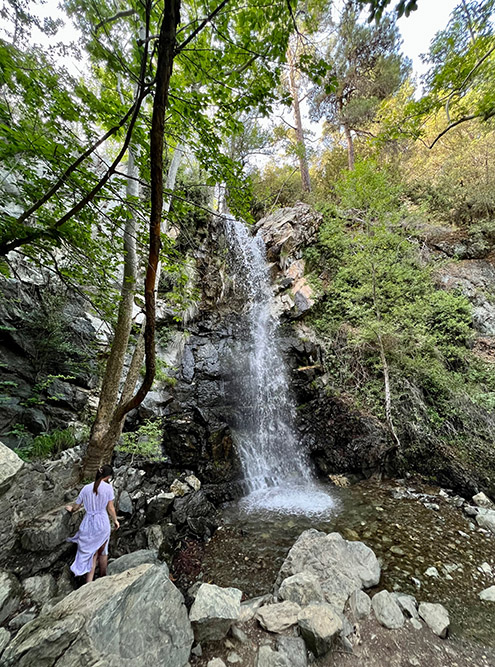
258	531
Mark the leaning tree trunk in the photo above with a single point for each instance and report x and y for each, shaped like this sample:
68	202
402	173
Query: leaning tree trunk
100	450
301	145
350	147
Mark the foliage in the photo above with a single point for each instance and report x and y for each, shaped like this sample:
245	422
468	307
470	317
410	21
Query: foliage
144	443
365	67
375	284
45	445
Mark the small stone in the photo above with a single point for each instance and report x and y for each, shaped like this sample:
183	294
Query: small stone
416	582
436	617
432	506
293	649
407	603
414	662
397	550
416	623
233	658
486	568
216	662
432	572
197	650
239	635
193	482
443	493
488	595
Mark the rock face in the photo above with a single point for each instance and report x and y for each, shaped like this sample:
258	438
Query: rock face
10	465
133	619
213	612
340	566
10	595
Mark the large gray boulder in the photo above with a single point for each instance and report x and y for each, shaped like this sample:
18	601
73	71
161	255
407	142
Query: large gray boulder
320	626
301	588
10	465
387	611
128	561
134	619
436	617
10	594
49	531
214	611
340	566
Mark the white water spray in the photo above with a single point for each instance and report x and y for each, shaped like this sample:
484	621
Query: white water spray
276	469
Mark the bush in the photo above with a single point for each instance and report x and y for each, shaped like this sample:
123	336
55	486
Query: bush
144	443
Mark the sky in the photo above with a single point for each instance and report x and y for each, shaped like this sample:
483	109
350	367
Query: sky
419	28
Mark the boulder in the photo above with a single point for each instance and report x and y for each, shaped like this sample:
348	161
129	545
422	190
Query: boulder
436	617
40	588
340	566
193	482
154	537
49	531
360	604
278	617
178	488
250	607
407	604
387	611
159	506
10	465
294	650
10	594
485	518
132	619
128	561
213	612
319	625
482	500
21	619
301	588
267	657
125	503
488	595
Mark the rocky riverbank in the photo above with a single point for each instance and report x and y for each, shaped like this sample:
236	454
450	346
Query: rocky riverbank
247	595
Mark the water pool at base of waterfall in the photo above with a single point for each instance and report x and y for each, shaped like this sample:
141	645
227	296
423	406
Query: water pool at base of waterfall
408	537
307	500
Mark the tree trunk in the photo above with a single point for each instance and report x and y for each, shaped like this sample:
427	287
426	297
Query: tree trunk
106	433
350	148
301	145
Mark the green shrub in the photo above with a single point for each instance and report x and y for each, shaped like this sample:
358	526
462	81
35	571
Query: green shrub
144	443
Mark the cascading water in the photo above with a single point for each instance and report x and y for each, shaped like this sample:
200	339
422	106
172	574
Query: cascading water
276	470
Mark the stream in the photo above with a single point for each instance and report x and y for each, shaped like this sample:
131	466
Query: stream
407	536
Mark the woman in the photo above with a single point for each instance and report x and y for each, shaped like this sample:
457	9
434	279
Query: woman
94	531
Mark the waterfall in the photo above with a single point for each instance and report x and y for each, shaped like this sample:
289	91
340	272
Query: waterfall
276	469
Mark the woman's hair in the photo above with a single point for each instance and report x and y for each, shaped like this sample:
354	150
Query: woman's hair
104	471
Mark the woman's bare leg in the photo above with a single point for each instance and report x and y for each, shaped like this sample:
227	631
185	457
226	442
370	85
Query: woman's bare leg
91	573
102	561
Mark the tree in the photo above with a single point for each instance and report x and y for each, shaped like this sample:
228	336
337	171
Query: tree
202	101
459	83
364	68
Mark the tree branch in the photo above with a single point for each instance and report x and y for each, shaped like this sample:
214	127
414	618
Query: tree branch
200	27
464	119
115	17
